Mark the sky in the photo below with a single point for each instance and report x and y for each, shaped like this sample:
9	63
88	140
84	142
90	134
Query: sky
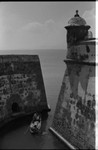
40	25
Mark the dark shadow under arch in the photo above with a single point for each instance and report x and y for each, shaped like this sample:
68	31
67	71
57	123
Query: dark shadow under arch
15	107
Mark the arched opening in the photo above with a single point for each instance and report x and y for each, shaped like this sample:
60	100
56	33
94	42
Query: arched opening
15	108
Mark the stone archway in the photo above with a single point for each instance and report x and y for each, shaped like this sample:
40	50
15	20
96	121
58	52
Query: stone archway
14	104
15	108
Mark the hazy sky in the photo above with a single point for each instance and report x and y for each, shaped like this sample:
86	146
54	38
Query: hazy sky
35	25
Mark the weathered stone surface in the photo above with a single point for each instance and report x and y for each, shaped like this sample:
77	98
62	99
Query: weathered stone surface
74	117
21	85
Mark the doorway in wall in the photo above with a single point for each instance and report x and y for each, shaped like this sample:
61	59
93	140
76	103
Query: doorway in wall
15	107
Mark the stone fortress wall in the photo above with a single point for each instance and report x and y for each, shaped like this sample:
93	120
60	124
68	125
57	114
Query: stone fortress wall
74	118
21	86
